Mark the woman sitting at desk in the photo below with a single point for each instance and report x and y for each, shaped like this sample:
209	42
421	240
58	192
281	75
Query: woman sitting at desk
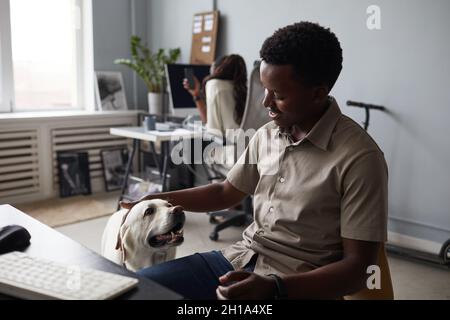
225	90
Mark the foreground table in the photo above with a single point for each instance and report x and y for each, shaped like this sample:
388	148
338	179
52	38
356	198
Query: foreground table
50	244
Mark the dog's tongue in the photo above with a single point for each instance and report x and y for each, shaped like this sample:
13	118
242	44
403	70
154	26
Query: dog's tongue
170	237
164	237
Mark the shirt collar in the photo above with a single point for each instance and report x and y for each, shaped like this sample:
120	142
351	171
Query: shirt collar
320	134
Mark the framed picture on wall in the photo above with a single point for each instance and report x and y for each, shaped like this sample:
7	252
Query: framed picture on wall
114	167
110	91
73	173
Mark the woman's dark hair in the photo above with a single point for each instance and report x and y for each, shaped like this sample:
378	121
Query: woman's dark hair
314	51
232	67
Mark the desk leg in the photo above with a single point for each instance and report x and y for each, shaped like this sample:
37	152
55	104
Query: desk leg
127	172
155	157
166	154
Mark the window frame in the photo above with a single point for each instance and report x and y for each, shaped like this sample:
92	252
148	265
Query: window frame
6	72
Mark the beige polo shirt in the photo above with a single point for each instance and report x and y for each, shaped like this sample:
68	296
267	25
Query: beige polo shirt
310	194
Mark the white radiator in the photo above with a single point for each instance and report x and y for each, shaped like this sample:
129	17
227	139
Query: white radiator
19	162
29	146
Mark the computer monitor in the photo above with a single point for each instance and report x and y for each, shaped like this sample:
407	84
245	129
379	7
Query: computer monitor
181	102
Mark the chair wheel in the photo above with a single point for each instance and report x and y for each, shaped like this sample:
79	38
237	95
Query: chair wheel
446	254
214	236
216	219
213	220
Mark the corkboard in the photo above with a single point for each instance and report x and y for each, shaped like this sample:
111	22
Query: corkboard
204	37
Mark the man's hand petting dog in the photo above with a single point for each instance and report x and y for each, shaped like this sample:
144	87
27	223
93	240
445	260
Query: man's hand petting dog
244	285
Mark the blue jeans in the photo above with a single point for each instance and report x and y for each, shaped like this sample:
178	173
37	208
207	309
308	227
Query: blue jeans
194	277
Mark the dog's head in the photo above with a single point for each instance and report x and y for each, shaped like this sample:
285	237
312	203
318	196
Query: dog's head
152	224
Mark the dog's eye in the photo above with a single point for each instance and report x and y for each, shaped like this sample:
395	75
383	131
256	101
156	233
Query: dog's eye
149	211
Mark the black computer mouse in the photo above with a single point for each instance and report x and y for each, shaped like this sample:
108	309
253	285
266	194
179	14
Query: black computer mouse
13	238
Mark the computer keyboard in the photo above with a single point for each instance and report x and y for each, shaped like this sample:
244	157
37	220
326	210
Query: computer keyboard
27	277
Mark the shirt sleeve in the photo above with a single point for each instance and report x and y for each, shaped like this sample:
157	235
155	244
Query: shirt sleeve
244	175
364	204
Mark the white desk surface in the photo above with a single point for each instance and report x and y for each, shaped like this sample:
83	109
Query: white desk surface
154	135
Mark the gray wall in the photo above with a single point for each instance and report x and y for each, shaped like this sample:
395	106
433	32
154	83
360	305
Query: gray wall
112	26
404	66
170	23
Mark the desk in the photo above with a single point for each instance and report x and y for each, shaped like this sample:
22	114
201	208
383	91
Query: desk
50	244
163	137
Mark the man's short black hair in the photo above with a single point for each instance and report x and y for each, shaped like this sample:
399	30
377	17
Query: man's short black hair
314	51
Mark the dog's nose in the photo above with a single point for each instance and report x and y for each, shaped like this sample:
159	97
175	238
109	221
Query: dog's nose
177	210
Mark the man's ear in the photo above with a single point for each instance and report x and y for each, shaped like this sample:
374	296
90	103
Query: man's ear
320	94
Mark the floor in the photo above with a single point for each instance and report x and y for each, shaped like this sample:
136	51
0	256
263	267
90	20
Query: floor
411	280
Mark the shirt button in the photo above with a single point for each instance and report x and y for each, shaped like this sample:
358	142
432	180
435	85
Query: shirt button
271	209
282	179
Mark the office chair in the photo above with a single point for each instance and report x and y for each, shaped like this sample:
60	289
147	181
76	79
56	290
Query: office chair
254	117
386	291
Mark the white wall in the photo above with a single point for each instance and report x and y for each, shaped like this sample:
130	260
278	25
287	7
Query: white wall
404	66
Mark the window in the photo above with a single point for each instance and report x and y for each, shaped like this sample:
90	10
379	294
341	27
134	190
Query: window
48	55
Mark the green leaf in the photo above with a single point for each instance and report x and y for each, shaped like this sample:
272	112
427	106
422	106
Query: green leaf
149	66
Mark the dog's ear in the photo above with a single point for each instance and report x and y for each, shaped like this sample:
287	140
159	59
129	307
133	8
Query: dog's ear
124	218
122	243
127	242
119	238
119	242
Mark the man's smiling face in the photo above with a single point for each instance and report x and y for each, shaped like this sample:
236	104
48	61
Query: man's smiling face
288	101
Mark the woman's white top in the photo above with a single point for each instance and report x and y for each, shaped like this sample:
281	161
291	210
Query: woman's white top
220	106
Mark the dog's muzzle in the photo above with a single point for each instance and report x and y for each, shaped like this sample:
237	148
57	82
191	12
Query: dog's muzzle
174	236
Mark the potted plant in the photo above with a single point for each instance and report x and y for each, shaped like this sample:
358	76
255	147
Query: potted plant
150	67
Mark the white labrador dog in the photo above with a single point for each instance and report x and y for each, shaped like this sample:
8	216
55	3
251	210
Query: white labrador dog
145	235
